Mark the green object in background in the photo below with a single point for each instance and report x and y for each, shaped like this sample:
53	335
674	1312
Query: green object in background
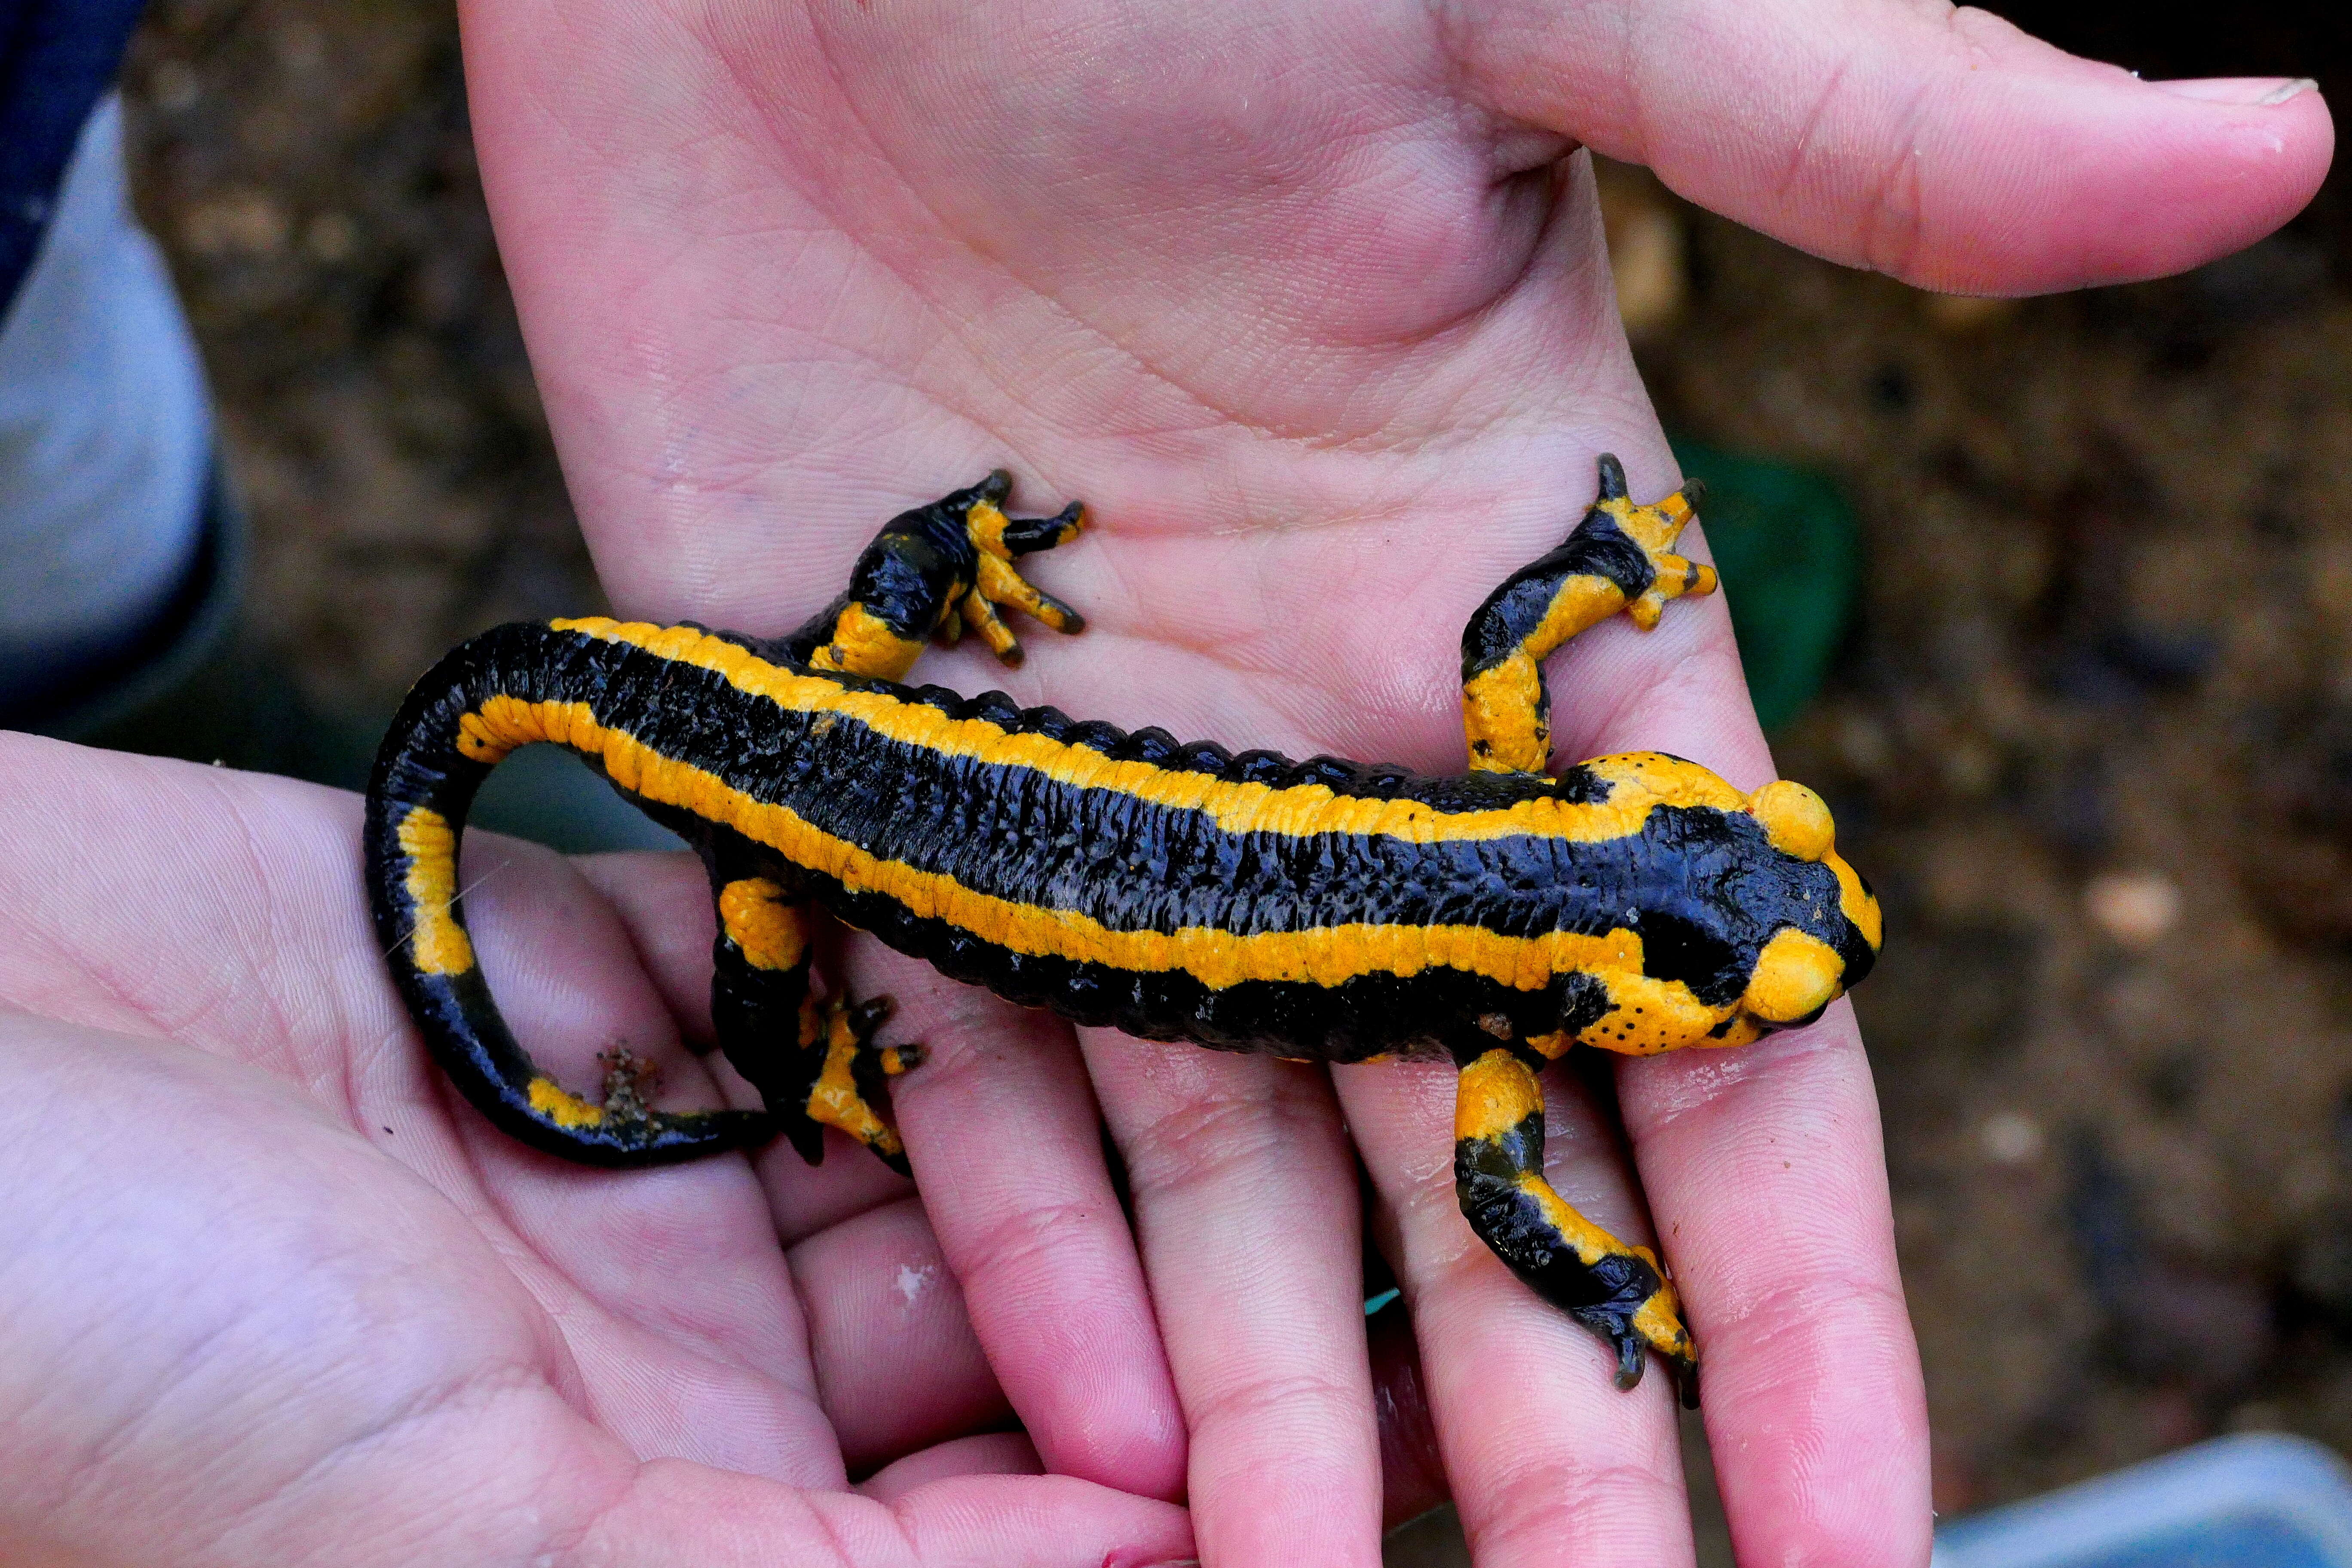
1791	555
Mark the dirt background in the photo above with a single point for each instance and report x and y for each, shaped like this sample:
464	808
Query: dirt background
2091	733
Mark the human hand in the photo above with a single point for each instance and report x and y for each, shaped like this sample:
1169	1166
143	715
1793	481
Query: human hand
1301	302
275	1294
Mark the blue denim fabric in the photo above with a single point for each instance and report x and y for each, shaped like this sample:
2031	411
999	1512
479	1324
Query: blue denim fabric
57	57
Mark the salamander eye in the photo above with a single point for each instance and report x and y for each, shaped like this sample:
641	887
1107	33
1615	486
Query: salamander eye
1796	976
1795	819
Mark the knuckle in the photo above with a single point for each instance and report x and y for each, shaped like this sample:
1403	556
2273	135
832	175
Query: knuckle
1224	1134
1548	1500
1274	1401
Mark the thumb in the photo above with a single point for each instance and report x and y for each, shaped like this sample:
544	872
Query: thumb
1940	145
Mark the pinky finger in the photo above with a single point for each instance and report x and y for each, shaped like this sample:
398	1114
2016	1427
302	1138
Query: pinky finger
989	1453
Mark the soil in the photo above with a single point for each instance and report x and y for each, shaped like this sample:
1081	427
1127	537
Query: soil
2091	735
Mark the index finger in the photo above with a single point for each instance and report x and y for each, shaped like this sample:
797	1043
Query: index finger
1765	1174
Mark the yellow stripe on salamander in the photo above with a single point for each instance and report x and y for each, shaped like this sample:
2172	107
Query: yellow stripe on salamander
1324	955
438	943
1643	779
560	1106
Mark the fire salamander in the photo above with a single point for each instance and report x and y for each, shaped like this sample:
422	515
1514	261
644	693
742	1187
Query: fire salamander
1174	889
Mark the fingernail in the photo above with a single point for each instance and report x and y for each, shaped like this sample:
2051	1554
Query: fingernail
2247	91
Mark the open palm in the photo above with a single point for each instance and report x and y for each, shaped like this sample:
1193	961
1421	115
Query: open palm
1305	302
273	1295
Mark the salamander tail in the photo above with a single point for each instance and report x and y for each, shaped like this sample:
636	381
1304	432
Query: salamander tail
425	775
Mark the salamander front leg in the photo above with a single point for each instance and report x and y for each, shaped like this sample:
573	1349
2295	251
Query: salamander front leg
1619	558
1618	1291
932	572
996	541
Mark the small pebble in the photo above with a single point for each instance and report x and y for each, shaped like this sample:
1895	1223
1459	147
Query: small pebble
1958	314
2011	1139
2134	908
332	238
236	223
174	87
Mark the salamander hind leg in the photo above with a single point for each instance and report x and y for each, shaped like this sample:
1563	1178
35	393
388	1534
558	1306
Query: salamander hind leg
1620	557
1619	1291
932	572
814	1062
847	1090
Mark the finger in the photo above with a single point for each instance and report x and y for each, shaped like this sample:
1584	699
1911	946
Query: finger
1767	1160
1548	1462
1412	1472
1022	1205
897	1367
1942	146
1003	1130
967	1521
1246	1204
662	901
1764	1168
989	1453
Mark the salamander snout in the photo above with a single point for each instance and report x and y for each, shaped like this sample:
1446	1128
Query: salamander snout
1827	949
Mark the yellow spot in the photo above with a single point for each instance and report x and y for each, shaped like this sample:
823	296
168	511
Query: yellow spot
1741	1031
1648	1015
1659	1320
1587	1240
560	1106
1796	975
1581	602
1654	527
437	942
863	644
1858	905
835	1101
755	914
1794	818
1493	1094
1645	778
1500	705
984	522
1499	709
475	742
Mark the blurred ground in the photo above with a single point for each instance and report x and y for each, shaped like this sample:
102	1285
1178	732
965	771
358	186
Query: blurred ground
2091	736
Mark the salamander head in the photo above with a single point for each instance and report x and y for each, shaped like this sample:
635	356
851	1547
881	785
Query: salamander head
1748	919
1826	937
